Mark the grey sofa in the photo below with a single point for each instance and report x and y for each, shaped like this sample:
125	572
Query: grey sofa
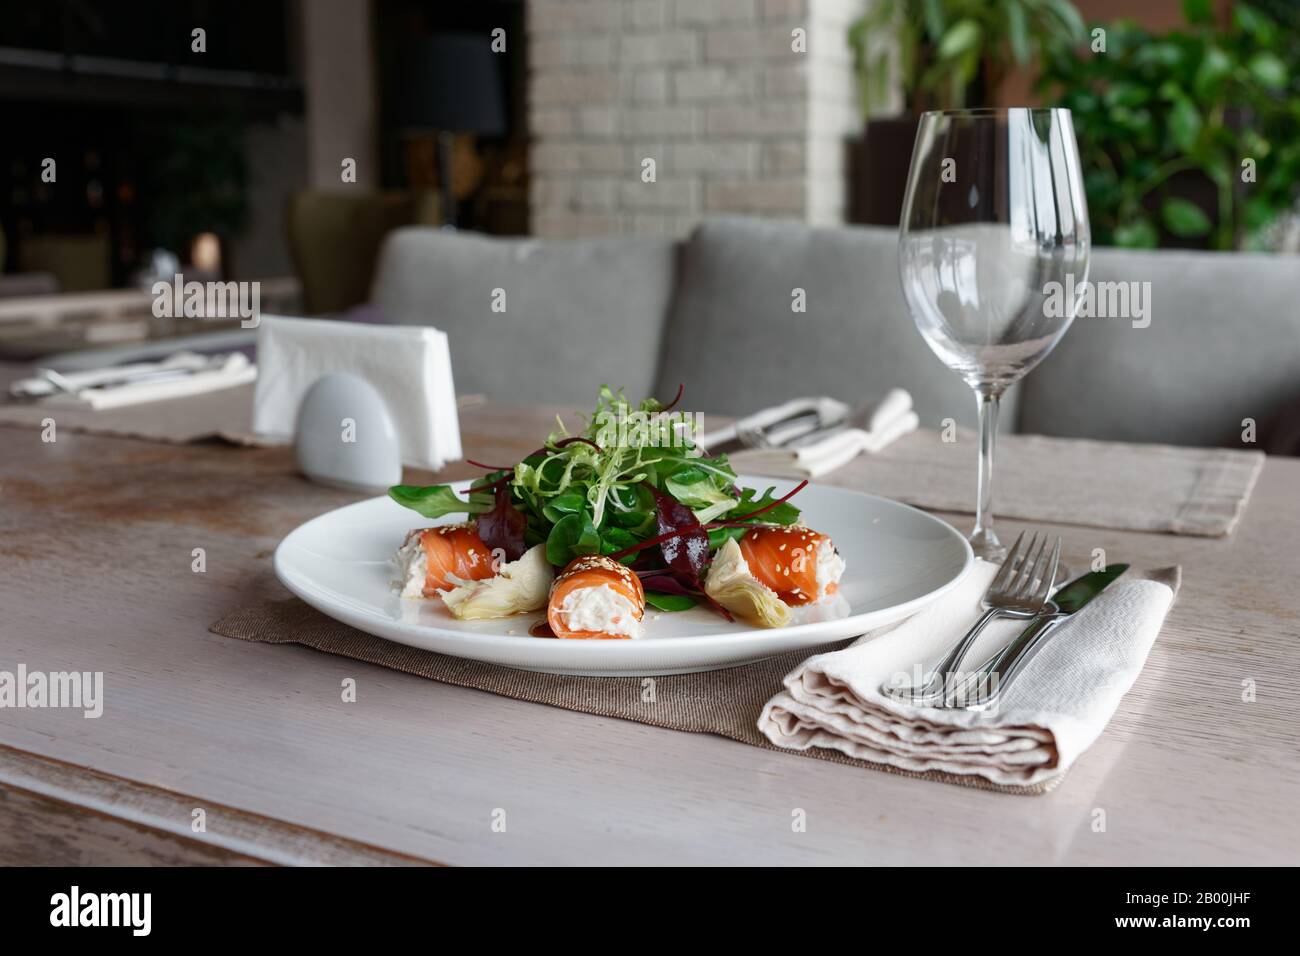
548	320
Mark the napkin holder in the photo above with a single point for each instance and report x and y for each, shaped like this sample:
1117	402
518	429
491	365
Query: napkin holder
408	367
345	436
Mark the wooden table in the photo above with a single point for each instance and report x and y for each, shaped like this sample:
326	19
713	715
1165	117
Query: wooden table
96	542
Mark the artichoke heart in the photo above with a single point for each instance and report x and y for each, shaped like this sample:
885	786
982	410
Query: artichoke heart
522	585
732	585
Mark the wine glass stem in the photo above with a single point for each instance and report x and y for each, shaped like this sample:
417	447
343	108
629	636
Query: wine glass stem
983	539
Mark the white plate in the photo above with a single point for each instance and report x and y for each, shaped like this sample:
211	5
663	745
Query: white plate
899	559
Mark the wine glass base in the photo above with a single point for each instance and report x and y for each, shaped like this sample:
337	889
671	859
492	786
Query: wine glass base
984	542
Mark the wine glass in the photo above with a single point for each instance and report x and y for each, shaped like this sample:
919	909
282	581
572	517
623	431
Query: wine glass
993	243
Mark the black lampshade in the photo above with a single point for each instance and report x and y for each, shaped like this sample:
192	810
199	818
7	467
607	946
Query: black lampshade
451	82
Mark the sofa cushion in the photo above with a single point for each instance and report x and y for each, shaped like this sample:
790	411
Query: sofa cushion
735	342
1223	345
577	313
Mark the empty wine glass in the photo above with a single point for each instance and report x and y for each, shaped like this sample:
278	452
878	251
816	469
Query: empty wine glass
994	237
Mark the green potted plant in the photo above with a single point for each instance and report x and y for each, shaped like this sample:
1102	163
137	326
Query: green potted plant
1190	137
947	54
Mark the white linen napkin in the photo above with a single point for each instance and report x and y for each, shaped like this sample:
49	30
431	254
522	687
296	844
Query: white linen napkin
176	376
1053	711
410	367
820	453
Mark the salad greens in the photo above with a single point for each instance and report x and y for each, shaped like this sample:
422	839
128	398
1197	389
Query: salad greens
632	486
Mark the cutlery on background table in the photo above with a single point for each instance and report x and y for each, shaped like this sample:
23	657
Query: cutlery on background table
807	445
47	382
773	427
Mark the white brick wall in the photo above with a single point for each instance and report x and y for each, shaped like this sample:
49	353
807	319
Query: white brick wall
735	120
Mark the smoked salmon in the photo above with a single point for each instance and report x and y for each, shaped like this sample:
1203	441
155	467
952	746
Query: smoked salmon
799	564
431	557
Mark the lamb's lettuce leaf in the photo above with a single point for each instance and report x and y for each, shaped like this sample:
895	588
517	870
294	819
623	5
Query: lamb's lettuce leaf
434	501
669	602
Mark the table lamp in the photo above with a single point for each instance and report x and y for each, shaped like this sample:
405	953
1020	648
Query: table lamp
450	83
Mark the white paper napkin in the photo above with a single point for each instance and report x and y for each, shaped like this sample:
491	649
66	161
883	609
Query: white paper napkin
176	376
1047	717
820	454
410	367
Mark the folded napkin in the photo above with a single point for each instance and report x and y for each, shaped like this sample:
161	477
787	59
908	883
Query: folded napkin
822	452
409	366
176	376
803	450
1053	711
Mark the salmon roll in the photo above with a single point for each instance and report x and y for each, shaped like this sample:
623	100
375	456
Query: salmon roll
431	557
773	569
596	598
799	564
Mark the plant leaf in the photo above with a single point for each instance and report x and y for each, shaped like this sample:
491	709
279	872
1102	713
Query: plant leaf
1251	20
1138	234
1184	218
432	501
961	37
1071	20
1268	69
1198	11
571	537
1215	66
686	553
1017	30
504	526
784	513
669	602
700	495
1184	124
933	11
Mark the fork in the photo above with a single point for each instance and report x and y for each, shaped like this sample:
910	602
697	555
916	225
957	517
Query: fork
759	437
1019	590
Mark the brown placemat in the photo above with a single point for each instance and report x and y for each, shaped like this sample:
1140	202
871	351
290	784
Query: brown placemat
226	414
1102	484
723	702
223	413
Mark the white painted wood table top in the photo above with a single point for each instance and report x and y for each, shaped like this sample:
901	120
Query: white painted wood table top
96	543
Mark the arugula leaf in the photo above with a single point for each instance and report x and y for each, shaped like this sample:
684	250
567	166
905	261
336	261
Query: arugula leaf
784	513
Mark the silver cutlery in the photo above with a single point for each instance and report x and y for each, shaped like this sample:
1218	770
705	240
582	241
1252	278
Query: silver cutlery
776	434
869	418
825	413
1018	590
982	690
47	381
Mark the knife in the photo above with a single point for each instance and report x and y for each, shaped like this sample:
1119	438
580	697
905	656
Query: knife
777	425
1011	660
